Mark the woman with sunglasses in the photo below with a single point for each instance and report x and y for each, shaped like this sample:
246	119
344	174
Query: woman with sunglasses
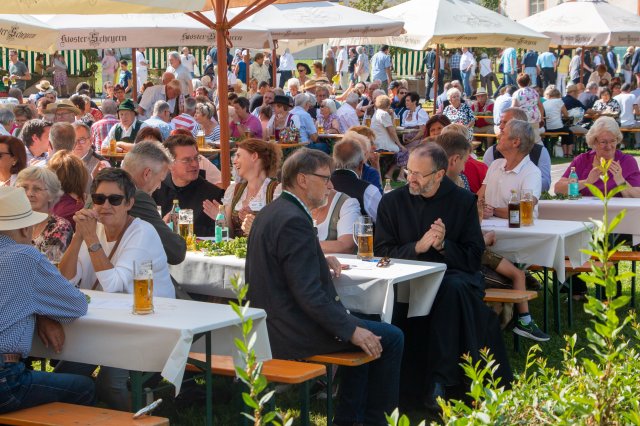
100	257
43	190
303	73
13	158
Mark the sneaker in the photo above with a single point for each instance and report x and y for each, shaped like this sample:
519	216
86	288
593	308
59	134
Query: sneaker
530	331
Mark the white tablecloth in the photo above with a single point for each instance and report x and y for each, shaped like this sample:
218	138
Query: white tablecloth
364	288
546	243
587	208
160	342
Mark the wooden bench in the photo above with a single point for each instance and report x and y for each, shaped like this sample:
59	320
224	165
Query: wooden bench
345	359
485	135
59	414
507	295
627	256
630	129
555	134
275	371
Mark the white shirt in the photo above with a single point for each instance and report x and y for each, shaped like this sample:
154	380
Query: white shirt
485	67
347	117
372	197
349	214
152	95
139	242
183	75
553	113
379	123
343	60
466	60
188	61
627	101
500	182
502	102
125	132
418	118
287	63
257	202
141	61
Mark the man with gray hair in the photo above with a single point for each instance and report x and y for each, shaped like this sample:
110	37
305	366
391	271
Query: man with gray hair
185	120
170	93
431	219
161	119
181	72
62	137
304	122
7	118
148	164
349	158
347	115
291	280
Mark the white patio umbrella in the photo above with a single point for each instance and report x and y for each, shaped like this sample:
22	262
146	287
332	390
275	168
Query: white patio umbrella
586	23
454	23
300	25
147	30
26	32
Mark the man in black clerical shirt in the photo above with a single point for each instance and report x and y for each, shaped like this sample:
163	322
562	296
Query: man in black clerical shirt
185	184
432	219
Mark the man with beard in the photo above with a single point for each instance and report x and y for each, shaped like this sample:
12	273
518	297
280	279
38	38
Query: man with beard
289	278
432	219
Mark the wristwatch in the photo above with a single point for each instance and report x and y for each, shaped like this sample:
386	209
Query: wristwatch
441	246
94	247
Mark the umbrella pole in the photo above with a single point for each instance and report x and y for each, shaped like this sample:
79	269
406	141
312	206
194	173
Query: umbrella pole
223	100
581	65
436	72
134	76
274	66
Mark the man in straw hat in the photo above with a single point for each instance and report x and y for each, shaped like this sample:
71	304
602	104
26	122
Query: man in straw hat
32	291
64	111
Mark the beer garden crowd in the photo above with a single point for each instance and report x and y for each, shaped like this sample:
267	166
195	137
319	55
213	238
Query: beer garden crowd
347	129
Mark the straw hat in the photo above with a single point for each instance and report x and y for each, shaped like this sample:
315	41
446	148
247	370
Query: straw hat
309	84
44	86
15	210
63	104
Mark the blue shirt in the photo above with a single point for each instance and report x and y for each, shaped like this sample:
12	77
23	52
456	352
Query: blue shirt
307	126
508	55
164	127
530	59
379	63
242	71
30	285
546	60
454	62
125	76
372	176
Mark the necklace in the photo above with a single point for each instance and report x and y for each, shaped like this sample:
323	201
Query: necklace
6	182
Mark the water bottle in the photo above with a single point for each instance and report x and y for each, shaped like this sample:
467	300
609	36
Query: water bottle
387	186
175	216
222	230
574	191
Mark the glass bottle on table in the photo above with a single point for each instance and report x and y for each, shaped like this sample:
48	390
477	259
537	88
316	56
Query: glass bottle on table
221	229
574	188
387	186
514	210
175	217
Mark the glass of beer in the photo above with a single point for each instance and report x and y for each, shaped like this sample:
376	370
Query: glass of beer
247	134
320	127
396	121
526	207
200	139
54	254
185	225
113	149
363	237
142	287
367	121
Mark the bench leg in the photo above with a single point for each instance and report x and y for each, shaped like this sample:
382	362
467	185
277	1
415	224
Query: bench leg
633	285
556	301
619	292
570	304
516	342
304	403
545	290
136	390
329	394
208	378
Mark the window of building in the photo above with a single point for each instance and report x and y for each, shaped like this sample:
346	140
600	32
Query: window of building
535	6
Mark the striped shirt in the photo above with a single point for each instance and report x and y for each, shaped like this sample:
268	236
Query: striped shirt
211	137
30	286
184	121
100	130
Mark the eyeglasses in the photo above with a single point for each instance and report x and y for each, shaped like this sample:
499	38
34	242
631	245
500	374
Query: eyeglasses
402	93
2	154
29	188
384	262
114	200
607	142
326	178
187	161
82	140
418	174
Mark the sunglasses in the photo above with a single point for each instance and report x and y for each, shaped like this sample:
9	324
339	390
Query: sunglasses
114	200
302	70
384	262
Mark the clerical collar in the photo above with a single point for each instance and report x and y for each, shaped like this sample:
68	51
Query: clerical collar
297	201
349	170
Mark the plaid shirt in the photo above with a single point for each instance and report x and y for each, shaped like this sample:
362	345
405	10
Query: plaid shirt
100	130
454	62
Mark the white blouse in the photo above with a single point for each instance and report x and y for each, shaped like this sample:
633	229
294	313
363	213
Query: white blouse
349	214
139	242
418	118
379	123
257	202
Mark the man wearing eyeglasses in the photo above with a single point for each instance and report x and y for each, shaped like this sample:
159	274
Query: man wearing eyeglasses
185	184
432	219
291	280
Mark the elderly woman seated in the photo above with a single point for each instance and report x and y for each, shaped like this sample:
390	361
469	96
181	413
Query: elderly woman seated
334	222
458	111
293	87
603	138
101	255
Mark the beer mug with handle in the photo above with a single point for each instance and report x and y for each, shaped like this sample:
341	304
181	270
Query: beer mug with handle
363	237
142	287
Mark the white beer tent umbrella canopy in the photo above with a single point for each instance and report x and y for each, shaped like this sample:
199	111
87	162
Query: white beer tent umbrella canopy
26	32
147	30
587	23
453	23
300	25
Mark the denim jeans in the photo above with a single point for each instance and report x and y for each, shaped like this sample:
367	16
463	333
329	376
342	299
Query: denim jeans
22	388
510	79
370	390
532	72
466	82
321	146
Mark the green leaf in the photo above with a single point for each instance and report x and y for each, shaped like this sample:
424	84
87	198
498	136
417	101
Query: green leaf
619	302
249	402
592	368
617	190
595	191
266	397
404	421
269	417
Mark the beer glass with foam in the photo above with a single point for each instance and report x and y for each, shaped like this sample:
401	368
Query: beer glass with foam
142	287
363	237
